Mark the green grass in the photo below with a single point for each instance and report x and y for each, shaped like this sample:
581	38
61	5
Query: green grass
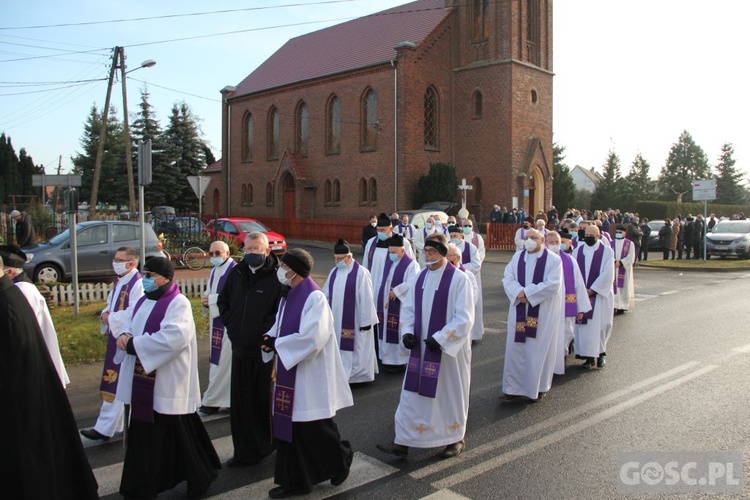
79	337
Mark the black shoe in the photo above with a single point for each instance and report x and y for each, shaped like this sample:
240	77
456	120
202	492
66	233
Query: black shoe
600	362
208	410
539	397
589	363
94	435
339	480
281	492
236	462
510	398
399	450
453	450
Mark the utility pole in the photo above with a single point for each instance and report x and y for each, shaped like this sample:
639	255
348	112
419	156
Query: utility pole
126	130
102	135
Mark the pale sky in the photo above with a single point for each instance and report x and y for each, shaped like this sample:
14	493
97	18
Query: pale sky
629	76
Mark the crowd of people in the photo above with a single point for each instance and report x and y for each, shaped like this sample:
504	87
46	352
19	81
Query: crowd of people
284	350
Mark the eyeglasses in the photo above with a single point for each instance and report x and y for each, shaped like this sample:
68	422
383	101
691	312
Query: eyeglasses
217	253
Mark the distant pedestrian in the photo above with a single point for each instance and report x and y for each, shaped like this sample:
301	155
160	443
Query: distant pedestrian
369	230
25	235
665	238
645	239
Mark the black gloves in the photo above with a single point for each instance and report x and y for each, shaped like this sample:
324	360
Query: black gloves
432	344
409	340
365	328
268	343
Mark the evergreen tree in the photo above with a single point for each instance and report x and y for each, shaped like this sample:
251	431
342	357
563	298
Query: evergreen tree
686	163
26	170
563	188
439	184
16	171
638	184
729	188
608	192
113	177
165	181
185	155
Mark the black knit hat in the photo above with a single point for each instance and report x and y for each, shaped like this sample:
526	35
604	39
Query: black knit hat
160	265
12	256
341	247
299	261
384	220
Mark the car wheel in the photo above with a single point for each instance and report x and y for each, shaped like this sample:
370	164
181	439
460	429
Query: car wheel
47	273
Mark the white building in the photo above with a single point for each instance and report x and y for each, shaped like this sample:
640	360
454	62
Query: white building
585	179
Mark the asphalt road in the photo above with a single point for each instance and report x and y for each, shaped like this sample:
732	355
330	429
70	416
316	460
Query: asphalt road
675	381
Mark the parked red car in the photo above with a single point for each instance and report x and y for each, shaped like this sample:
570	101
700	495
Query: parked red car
237	228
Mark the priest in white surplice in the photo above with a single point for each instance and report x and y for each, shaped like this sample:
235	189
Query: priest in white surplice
218	392
436	324
454	257
421	236
520	236
475	239
624	250
399	272
13	260
533	284
596	261
575	299
348	289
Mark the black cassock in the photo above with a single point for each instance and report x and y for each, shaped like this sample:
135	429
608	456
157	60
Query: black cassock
41	454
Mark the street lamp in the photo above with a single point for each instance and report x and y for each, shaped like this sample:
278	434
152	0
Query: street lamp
118	61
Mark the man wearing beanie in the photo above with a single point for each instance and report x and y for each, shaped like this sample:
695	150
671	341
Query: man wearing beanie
248	304
348	289
25	235
310	385
436	320
167	443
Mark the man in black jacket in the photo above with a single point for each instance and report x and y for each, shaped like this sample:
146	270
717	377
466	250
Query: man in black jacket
248	304
25	236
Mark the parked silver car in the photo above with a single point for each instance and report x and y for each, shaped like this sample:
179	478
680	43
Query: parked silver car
97	242
729	238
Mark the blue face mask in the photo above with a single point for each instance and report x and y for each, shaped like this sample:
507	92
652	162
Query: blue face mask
467	230
563	247
455	241
216	261
382	236
428	226
255	259
149	284
341	264
393	257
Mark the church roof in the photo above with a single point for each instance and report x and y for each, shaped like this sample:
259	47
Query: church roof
359	43
213	168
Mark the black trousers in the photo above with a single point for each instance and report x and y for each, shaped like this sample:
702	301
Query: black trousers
250	417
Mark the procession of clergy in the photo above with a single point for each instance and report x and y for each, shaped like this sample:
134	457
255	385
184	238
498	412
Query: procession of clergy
413	313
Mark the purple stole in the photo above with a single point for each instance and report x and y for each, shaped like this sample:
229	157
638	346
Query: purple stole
142	399
217	325
527	316
571	308
349	308
422	375
111	371
394	306
466	253
620	278
475	239
404	228
283	392
596	268
371	253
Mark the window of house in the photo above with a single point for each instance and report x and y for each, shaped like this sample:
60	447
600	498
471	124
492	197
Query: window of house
370	121
363	192
273	134
534	32
327	196
534	97
249	195
373	191
248	135
476	191
333	126
269	194
431	116
336	192
302	133
243	195
477	104
481	19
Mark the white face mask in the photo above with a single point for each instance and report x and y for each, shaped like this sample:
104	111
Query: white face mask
120	268
554	248
530	244
281	274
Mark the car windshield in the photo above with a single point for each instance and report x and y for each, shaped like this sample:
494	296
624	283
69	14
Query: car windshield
61	237
250	226
732	226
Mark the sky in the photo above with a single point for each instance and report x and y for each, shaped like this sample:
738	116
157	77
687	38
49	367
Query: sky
629	76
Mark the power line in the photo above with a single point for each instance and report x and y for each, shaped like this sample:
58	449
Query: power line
175	90
92	52
49	90
170	16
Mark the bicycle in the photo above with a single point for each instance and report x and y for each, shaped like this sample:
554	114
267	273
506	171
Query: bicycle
193	258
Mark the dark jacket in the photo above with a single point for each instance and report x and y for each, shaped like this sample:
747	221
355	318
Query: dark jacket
634	233
248	304
665	236
25	235
367	233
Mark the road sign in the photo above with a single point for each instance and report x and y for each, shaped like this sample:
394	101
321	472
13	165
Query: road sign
39	180
199	183
704	190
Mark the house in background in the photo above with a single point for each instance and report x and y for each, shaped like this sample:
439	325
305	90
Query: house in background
584	179
342	122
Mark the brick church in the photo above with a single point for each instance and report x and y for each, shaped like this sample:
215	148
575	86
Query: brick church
342	122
